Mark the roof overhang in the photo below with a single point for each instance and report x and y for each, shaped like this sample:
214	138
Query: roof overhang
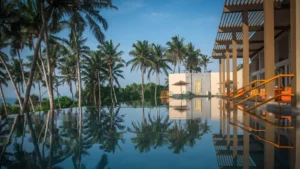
232	21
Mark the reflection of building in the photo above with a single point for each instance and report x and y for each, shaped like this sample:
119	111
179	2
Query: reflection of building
189	109
199	83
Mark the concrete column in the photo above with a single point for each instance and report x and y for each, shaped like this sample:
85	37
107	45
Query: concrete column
220	77
295	51
269	52
227	69
234	61
223	75
245	48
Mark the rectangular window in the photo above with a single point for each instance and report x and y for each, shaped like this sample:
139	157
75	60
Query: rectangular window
198	105
198	86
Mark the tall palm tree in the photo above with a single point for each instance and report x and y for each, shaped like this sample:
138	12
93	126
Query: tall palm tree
3	82
160	64
191	60
205	60
93	72
4	58
176	51
76	47
112	56
142	59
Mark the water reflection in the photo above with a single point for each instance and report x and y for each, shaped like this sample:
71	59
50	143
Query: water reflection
198	133
258	139
65	139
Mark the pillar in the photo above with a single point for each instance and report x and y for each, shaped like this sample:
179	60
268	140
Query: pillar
269	52
223	75
295	51
227	69
245	28
234	61
220	77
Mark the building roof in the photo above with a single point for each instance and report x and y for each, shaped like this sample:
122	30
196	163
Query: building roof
232	19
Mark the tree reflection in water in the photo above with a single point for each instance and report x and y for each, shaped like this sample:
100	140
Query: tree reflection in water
51	139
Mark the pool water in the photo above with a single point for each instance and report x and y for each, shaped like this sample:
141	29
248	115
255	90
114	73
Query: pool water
199	133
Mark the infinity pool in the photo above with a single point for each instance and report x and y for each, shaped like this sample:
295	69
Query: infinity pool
199	133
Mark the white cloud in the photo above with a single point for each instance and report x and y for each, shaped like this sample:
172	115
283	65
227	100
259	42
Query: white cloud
158	16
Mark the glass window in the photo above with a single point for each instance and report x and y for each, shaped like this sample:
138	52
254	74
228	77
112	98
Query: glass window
197	86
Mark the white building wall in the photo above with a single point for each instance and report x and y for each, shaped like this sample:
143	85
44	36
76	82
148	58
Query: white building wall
173	78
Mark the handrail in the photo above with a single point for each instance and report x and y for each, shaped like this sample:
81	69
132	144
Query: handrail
264	102
254	81
246	99
266	81
260	138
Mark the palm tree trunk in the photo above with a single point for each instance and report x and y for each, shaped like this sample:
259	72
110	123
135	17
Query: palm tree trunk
49	70
155	95
44	73
40	95
99	89
111	90
12	82
174	68
22	70
143	70
57	92
71	90
115	95
94	94
179	66
4	102
35	56
79	81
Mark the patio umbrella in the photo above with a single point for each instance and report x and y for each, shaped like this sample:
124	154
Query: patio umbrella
180	83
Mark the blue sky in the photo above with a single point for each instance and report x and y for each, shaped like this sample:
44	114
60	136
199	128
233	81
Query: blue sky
156	21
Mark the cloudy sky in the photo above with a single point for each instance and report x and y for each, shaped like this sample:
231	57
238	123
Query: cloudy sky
156	21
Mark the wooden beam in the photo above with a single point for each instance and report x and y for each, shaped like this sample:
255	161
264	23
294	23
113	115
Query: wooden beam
238	50
251	29
252	7
221	42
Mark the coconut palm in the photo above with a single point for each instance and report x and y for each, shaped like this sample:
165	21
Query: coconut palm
205	60
4	58
176	51
142	59
191	59
112	57
3	82
160	64
94	72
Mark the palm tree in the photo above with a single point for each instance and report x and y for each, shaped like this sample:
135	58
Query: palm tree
142	59
191	60
176	51
205	60
3	59
76	47
160	64
67	67
94	72
3	81
112	56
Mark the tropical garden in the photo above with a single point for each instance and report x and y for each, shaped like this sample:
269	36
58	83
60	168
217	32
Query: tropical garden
64	59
